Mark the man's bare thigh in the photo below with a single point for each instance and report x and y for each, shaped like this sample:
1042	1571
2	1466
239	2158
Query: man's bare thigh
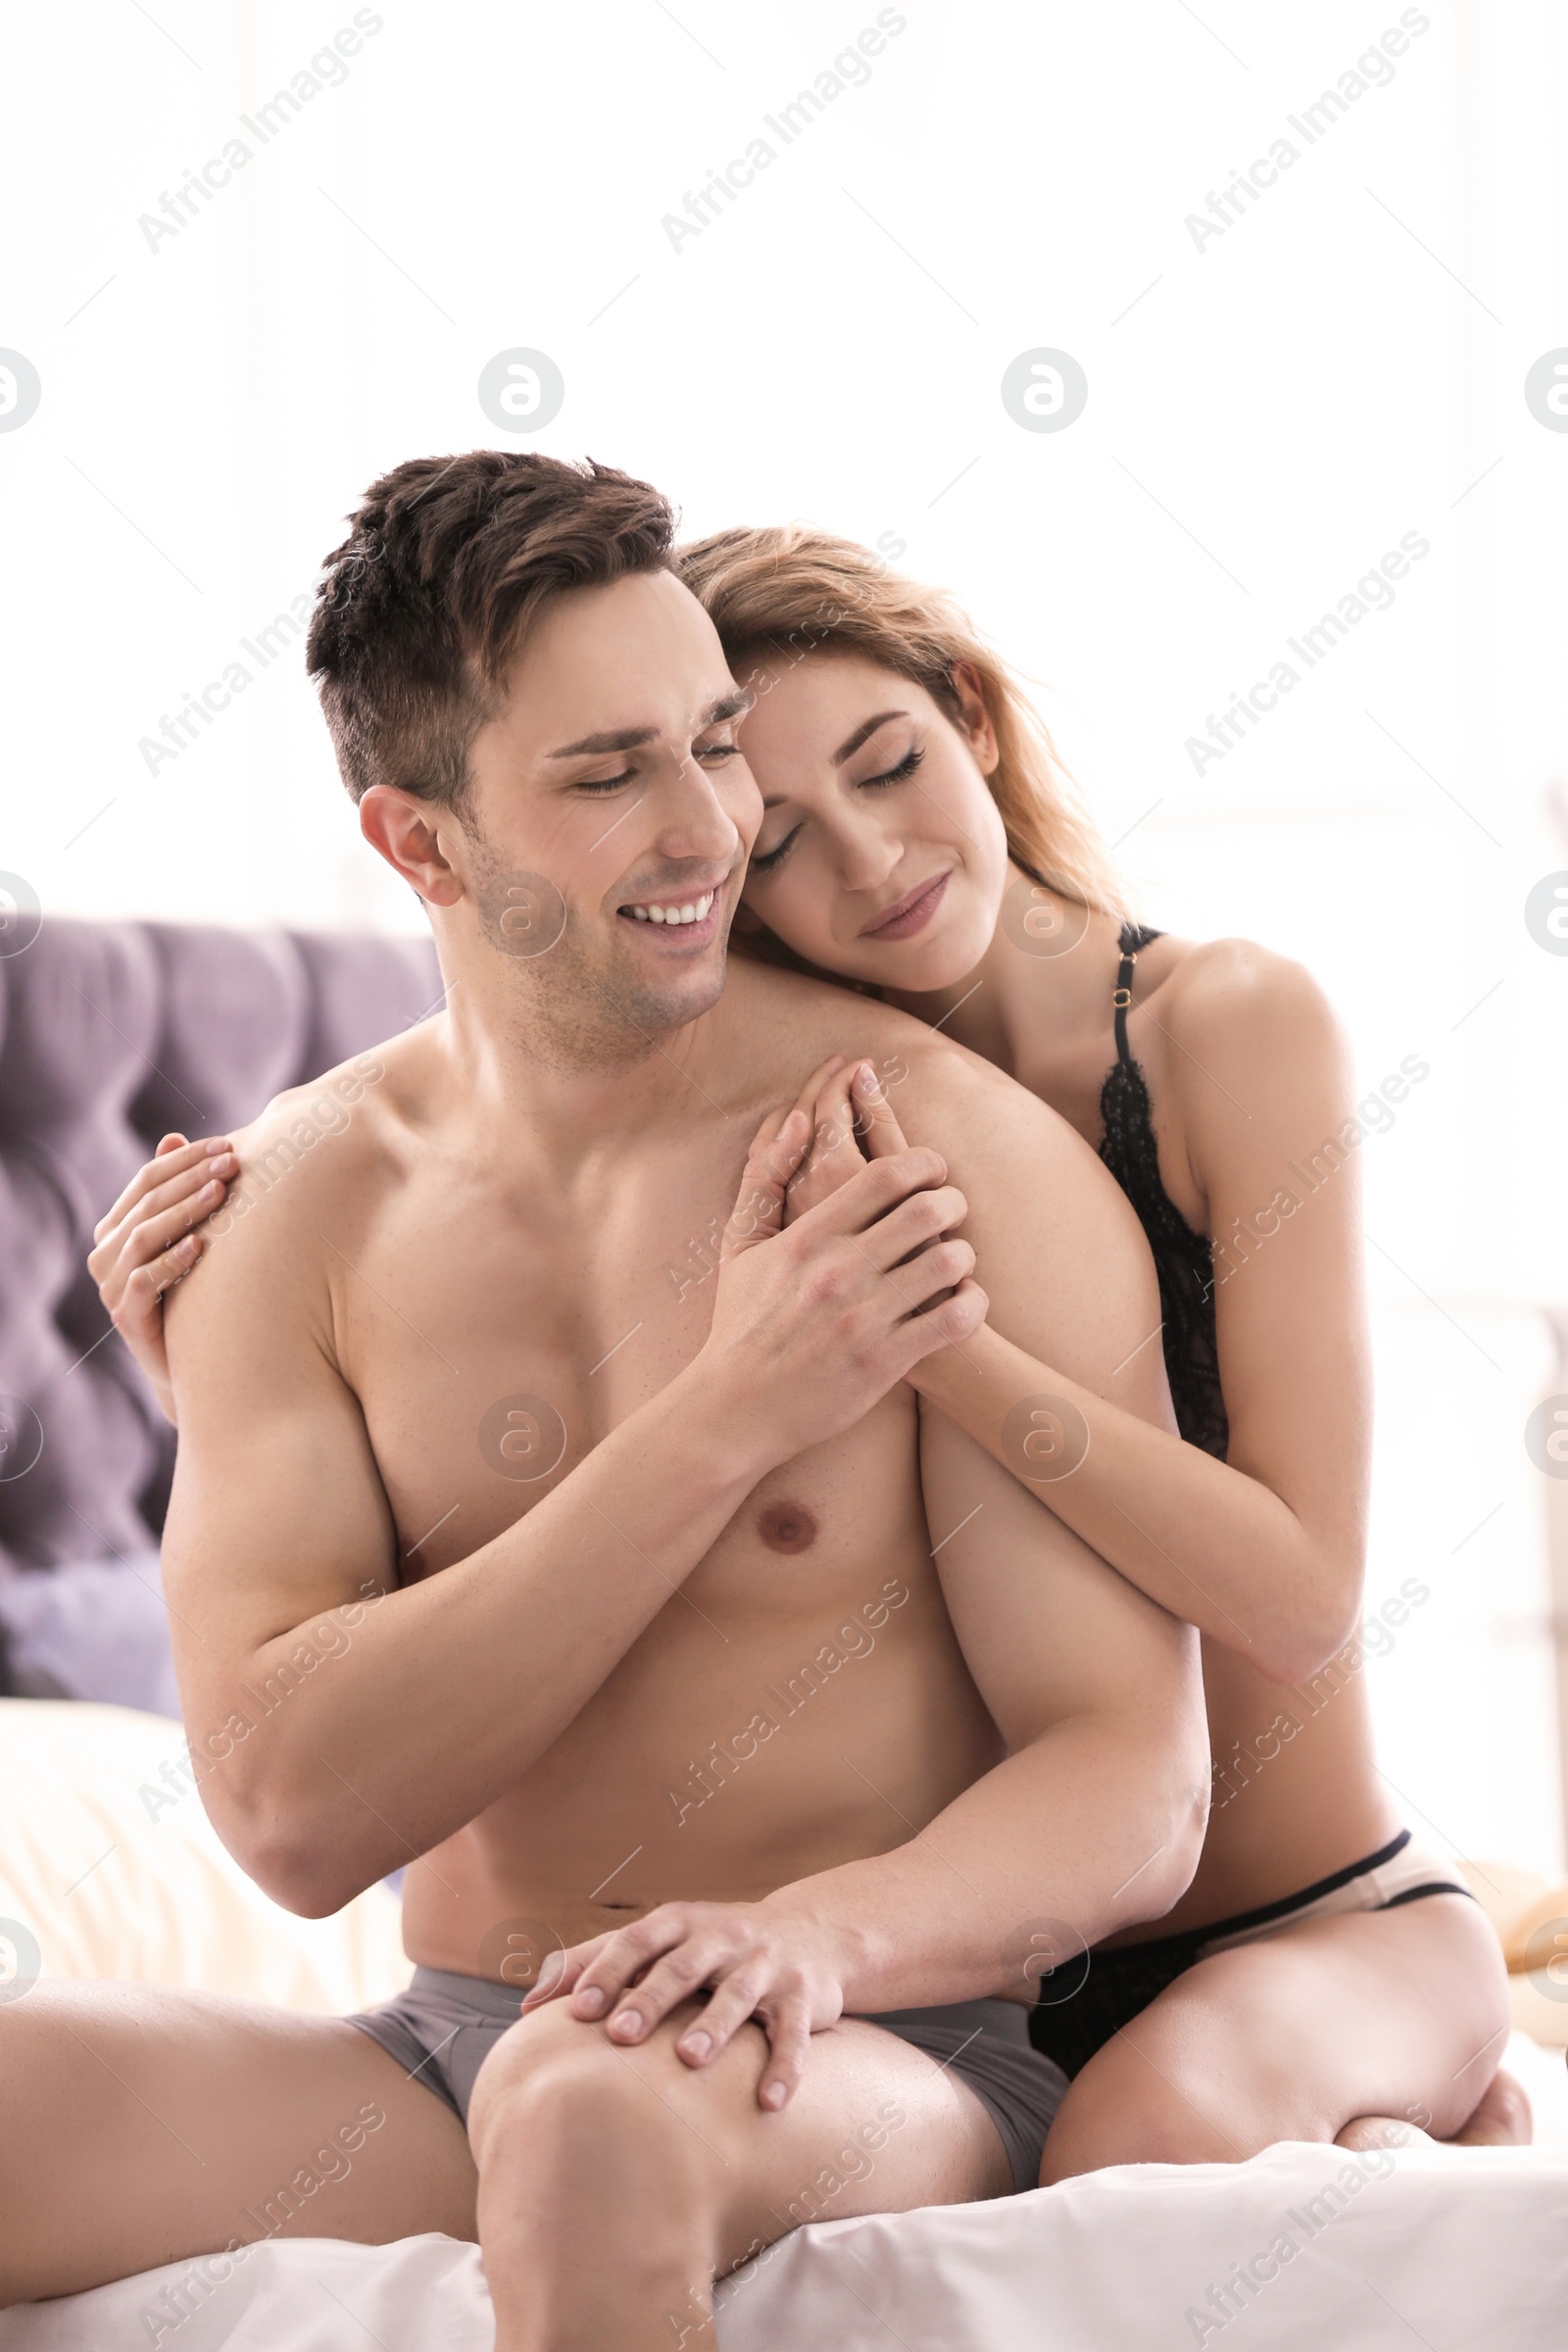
139	2125
875	2126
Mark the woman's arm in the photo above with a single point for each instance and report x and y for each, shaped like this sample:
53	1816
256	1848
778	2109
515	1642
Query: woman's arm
1263	1552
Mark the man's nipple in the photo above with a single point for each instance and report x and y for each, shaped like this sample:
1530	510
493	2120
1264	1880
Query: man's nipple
787	1527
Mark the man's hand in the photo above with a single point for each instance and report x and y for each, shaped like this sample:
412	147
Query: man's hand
752	1961
815	1324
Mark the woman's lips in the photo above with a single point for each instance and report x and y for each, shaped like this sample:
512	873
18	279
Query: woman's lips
912	913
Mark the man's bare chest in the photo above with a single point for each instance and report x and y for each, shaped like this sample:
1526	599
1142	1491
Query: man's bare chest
493	1345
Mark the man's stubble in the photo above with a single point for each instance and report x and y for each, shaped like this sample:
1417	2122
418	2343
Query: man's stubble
576	1001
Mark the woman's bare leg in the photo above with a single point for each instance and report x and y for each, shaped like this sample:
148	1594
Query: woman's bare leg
1367	2018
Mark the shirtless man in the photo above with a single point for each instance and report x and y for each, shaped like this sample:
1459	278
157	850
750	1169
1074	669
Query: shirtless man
714	1695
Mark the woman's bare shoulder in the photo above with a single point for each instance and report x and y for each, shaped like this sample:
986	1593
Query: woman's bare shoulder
1257	1056
1233	995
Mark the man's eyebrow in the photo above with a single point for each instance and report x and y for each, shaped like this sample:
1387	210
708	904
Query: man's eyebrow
848	749
615	739
728	706
631	739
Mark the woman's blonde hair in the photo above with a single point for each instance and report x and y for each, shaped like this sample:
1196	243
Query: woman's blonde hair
778	595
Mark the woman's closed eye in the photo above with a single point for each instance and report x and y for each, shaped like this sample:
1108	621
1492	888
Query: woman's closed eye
768	861
893	775
765	861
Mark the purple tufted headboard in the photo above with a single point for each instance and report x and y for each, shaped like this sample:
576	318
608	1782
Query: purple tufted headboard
111	1034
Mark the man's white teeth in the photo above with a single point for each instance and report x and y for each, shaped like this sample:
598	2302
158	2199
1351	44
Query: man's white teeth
691	912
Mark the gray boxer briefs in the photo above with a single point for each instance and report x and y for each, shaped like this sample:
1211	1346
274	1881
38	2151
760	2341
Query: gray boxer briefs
444	2026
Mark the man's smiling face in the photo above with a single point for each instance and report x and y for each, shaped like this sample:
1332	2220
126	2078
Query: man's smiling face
608	818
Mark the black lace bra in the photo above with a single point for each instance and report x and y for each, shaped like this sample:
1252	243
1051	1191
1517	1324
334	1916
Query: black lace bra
1183	1259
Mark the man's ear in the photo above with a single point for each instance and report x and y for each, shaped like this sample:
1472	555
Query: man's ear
407	832
976	720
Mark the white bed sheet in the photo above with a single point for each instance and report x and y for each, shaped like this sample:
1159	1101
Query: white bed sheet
1454	2248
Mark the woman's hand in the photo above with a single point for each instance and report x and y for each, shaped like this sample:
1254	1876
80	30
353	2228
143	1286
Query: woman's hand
812	1326
752	1961
146	1243
851	1124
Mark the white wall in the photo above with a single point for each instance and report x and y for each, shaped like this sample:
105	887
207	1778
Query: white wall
1266	416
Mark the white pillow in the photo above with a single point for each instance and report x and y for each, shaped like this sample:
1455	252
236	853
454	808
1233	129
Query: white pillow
98	1878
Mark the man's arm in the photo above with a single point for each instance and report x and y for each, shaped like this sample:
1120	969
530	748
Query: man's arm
410	1711
1095	1817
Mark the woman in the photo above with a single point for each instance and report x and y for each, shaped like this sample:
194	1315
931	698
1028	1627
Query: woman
1321	1979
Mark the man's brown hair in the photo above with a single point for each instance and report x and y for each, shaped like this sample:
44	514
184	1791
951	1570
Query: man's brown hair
422	608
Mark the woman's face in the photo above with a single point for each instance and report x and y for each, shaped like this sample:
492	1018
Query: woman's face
881	854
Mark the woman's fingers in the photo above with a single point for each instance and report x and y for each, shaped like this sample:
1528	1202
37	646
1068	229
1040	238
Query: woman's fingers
153	1234
806	1099
777	1150
881	1133
834	1154
834	1148
174	1157
139	1316
852	1121
163	1216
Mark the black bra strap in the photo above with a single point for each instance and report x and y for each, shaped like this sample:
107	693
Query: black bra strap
1133	940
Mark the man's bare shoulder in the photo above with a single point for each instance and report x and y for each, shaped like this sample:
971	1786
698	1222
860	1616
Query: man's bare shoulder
327	1141
313	1165
986	1124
